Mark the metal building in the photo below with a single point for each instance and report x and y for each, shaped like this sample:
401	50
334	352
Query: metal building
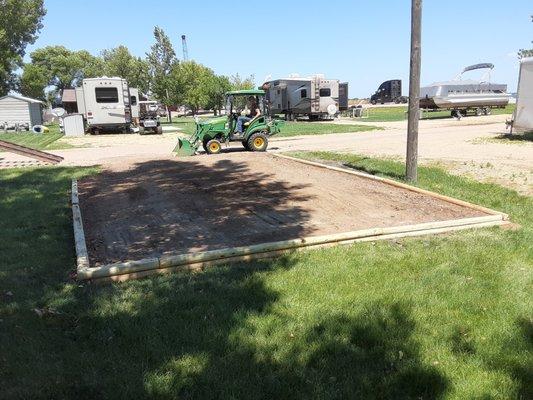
20	110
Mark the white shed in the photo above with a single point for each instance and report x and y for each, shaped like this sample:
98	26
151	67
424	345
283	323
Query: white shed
20	110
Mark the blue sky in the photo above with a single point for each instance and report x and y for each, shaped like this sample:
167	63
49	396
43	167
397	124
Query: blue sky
362	42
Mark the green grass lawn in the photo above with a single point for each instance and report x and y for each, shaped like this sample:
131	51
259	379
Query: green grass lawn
187	126
310	128
384	114
39	141
447	317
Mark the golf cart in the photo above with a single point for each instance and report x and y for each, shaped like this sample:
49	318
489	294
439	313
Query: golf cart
149	117
211	133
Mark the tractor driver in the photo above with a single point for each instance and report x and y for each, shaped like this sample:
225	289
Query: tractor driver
254	112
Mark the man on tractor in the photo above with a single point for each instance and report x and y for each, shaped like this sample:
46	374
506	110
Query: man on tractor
254	111
252	130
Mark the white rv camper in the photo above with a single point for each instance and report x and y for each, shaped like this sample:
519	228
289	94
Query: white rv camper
523	115
106	104
315	97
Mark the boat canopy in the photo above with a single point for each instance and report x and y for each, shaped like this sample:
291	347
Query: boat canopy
478	66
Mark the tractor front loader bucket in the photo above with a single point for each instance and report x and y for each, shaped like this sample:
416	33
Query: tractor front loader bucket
184	148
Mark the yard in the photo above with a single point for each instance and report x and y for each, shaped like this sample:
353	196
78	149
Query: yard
384	114
435	317
186	125
39	141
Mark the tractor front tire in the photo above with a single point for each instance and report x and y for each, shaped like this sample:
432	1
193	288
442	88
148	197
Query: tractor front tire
213	147
258	142
245	145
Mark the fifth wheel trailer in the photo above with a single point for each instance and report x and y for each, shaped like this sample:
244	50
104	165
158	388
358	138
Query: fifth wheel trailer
315	97
105	103
523	115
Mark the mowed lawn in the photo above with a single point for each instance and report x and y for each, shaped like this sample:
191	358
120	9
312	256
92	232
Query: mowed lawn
383	114
39	141
447	317
288	129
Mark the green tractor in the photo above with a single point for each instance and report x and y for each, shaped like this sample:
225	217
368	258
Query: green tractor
212	132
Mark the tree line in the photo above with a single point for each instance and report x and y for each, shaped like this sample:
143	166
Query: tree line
54	68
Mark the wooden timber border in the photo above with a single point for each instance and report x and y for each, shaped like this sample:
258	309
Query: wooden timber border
29	152
174	262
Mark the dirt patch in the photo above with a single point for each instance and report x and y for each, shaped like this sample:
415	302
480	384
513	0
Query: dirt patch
155	207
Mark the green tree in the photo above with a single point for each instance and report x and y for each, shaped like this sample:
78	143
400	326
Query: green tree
216	87
140	74
523	53
187	84
238	83
196	86
20	22
117	61
89	66
62	68
162	61
120	62
33	81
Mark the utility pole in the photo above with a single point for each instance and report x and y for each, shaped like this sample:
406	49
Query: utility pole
411	160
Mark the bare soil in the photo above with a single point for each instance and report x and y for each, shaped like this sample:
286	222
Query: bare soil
148	208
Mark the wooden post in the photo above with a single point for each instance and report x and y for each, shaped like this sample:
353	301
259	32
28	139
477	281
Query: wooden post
411	159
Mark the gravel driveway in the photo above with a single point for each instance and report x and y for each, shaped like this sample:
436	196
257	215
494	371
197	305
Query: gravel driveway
469	147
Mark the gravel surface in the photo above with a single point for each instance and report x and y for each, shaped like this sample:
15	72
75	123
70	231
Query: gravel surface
471	147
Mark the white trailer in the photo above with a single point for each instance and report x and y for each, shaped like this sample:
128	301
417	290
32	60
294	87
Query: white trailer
523	115
105	104
315	97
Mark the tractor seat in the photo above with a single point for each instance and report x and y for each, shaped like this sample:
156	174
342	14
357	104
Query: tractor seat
247	123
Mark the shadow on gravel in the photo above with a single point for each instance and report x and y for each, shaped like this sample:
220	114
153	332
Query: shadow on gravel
188	205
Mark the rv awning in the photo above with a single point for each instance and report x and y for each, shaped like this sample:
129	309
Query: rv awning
252	92
478	66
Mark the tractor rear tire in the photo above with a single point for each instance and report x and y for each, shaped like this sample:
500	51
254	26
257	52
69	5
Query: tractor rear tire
213	147
258	142
245	145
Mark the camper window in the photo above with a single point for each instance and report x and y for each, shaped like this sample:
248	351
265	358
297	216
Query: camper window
133	100
325	92
303	93
106	94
